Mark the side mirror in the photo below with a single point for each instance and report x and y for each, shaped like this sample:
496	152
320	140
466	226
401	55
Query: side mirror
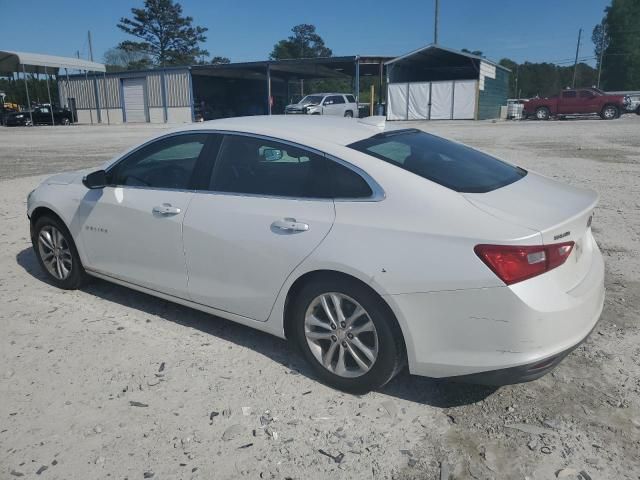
272	154
95	180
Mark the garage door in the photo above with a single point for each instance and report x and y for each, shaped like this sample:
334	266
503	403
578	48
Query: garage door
134	105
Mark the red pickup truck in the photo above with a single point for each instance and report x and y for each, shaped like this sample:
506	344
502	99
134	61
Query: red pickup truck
577	102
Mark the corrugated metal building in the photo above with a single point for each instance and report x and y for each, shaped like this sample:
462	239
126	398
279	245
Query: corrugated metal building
431	83
438	83
156	96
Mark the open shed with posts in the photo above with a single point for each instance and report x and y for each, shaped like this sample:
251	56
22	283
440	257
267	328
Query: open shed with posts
51	66
438	83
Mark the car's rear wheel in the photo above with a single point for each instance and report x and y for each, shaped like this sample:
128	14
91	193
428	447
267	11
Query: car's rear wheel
609	112
348	114
543	113
347	334
57	253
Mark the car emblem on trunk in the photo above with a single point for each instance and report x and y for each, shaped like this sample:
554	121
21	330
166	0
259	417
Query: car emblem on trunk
561	235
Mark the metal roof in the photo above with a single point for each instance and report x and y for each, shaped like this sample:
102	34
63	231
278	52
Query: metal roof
432	48
39	63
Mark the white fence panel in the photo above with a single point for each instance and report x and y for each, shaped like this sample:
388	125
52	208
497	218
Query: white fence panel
441	100
397	95
464	100
418	101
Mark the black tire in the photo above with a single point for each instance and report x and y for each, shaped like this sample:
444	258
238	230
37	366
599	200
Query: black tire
609	112
77	276
543	113
65	121
638	111
348	114
391	352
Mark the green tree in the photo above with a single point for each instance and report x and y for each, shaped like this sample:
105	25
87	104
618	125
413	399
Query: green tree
544	79
304	43
217	60
621	60
117	59
167	36
477	53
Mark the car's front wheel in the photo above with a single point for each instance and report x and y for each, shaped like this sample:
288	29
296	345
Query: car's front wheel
609	112
57	253
348	334
65	121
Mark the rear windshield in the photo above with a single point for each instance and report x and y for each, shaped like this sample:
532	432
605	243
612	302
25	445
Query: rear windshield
449	164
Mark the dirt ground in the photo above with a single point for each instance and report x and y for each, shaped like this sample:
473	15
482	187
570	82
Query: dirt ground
109	383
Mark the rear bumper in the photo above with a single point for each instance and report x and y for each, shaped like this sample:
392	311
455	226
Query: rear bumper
499	335
519	374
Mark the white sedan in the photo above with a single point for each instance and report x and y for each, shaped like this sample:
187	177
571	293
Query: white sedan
370	247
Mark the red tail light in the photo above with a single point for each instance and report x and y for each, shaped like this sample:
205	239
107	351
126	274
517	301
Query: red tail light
515	263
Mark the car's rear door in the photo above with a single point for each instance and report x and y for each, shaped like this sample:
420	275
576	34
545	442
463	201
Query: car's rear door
333	105
262	213
588	102
132	229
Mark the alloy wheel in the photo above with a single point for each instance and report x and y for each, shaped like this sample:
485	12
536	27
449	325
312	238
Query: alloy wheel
55	252
609	112
341	335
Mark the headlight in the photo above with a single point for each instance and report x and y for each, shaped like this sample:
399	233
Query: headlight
19	116
627	100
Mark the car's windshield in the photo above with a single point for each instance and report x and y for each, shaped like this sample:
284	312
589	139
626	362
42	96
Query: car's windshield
447	163
316	99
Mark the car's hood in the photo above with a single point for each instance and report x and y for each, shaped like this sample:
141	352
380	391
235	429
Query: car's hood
542	204
66	178
300	106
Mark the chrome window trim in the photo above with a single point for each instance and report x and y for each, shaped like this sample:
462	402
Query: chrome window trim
377	195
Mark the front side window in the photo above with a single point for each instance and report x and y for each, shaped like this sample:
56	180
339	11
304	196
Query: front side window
259	166
586	94
166	163
446	163
569	94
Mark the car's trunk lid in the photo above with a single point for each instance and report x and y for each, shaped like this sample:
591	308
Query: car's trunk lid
561	213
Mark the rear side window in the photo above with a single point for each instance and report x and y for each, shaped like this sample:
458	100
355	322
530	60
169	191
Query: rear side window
569	94
334	99
351	99
252	165
446	163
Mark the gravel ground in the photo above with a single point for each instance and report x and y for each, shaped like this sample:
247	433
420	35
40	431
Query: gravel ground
109	383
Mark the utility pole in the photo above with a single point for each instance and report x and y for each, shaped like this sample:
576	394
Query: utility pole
603	34
90	46
575	64
436	21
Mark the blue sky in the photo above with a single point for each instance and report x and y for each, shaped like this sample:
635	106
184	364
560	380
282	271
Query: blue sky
534	30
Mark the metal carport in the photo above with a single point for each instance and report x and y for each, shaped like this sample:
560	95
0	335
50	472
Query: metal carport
11	62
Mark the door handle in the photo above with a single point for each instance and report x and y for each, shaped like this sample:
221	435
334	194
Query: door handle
290	225
166	209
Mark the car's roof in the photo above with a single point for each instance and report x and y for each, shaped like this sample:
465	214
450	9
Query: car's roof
311	130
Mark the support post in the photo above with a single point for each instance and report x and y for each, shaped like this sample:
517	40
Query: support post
49	95
357	79
163	88
603	34
106	97
26	86
269	88
96	95
86	77
380	80
371	99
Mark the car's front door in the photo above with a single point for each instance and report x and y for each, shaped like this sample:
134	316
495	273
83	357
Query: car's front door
265	210
568	102
333	105
588	101
132	229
